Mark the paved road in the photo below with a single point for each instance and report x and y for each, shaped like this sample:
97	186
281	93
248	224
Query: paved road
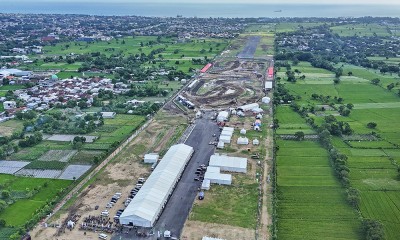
179	205
250	48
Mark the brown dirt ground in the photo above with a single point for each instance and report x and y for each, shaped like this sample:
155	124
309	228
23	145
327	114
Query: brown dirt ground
195	230
119	176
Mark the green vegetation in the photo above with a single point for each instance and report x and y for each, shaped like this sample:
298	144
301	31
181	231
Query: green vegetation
359	29
231	205
39	194
370	153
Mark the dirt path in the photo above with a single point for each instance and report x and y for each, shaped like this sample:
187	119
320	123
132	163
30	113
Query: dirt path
266	220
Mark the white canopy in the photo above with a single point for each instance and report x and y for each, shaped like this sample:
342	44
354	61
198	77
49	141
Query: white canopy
148	203
227	163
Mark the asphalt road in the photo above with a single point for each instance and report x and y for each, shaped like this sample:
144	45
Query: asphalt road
250	48
179	204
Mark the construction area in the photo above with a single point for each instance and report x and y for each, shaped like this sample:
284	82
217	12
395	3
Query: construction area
210	141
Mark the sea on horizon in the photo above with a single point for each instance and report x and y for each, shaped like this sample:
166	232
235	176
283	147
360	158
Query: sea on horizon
199	10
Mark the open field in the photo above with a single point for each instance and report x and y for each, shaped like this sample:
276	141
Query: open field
8	127
229	205
24	209
372	162
311	202
361	30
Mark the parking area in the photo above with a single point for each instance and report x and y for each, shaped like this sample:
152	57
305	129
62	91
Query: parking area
179	205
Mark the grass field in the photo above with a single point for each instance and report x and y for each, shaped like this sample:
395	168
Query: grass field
290	122
8	127
311	202
372	164
174	51
361	30
231	205
22	210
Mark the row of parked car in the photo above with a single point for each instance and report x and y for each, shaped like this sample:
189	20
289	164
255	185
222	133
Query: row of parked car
200	172
134	190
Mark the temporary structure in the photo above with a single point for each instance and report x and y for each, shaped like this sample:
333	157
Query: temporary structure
248	107
243	141
227	163
243	131
256	142
220	145
149	202
206	184
225	139
151	158
222	116
266	100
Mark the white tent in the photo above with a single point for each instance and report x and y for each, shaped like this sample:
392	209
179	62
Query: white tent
257	110
243	141
198	114
149	202
243	131
266	100
256	142
249	106
240	114
151	158
228	129
222	116
225	139
256	128
219	178
220	145
206	184
259	116
227	163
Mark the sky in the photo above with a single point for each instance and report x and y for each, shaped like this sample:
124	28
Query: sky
361	2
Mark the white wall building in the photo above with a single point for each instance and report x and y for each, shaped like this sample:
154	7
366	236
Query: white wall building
151	158
227	163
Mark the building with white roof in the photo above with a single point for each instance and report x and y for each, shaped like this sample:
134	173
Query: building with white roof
147	205
227	163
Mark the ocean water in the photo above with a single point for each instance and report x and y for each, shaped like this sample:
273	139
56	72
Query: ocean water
199	10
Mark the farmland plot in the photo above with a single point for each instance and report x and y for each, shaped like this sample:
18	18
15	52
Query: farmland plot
11	167
73	172
58	155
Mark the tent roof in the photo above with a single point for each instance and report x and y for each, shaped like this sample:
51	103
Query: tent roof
148	202
226	161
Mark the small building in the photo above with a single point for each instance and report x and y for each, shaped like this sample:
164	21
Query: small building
206	184
257	110
8	105
225	139
227	163
243	131
242	141
151	158
220	145
108	114
214	175
268	86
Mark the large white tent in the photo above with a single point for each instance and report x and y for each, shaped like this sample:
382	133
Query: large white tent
219	178
249	107
227	163
149	202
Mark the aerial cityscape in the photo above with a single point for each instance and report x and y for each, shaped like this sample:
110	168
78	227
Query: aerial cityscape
222	120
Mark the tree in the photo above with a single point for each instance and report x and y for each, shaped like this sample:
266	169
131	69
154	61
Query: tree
3	205
390	86
371	125
299	135
375	81
373	230
2	223
5	194
350	73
